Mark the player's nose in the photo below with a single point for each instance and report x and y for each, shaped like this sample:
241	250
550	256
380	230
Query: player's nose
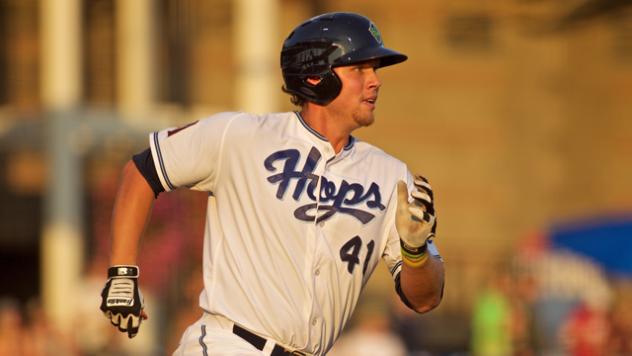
373	80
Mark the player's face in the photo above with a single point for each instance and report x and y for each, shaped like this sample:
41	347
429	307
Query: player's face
358	97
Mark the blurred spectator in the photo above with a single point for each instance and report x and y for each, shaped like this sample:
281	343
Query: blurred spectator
11	328
585	332
371	334
563	280
33	335
409	325
523	294
91	330
41	338
492	318
620	319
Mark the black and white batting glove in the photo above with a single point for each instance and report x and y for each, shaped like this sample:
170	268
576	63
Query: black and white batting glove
415	220
122	301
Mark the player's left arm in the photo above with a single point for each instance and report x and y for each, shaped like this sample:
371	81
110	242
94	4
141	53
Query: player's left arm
423	286
422	275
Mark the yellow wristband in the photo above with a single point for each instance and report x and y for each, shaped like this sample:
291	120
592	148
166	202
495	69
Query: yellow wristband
414	261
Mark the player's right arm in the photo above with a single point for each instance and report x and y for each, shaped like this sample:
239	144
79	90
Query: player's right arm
121	299
132	209
176	157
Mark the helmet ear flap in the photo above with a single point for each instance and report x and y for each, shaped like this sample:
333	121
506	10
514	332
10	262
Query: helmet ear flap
322	92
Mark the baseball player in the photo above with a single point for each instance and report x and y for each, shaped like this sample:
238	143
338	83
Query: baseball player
299	211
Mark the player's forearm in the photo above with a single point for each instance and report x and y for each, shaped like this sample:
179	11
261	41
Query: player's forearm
423	286
132	209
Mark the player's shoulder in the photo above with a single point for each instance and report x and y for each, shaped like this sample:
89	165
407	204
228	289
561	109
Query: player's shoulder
225	116
240	125
246	119
374	154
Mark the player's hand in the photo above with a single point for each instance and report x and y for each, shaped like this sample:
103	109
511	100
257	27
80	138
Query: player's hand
122	301
415	221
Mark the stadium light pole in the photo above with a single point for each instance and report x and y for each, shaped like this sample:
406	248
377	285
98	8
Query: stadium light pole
62	240
135	59
256	27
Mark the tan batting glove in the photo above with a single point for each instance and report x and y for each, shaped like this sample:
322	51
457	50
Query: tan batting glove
415	221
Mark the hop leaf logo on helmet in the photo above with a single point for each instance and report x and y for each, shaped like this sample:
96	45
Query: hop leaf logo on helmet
376	34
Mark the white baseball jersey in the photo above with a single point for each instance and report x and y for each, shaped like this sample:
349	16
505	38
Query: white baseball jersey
293	229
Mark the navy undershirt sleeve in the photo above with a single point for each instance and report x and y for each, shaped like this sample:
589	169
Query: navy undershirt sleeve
147	169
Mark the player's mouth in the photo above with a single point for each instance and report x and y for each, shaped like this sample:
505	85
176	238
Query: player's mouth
370	101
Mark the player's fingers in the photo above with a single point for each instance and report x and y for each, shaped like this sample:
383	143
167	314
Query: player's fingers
129	323
115	319
422	197
420	214
425	200
421	178
118	323
131	328
422	184
143	315
108	314
134	321
422	181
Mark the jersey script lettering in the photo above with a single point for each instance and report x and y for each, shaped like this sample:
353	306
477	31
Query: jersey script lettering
341	198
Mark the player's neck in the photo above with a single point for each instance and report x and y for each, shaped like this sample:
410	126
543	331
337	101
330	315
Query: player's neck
330	127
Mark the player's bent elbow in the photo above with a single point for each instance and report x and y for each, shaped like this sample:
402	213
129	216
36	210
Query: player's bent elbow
428	301
428	305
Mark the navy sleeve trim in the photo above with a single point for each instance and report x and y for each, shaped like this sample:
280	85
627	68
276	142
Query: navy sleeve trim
162	163
394	269
147	169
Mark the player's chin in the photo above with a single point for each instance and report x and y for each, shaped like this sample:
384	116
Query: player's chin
363	115
365	119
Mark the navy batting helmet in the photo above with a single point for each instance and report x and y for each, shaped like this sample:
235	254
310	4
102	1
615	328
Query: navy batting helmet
330	40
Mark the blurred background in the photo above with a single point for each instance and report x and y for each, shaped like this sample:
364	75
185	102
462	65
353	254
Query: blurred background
518	111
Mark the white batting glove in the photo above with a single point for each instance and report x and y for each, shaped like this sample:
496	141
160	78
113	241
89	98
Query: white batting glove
121	300
415	220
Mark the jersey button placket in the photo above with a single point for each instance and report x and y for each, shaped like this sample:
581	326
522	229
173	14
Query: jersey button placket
314	254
